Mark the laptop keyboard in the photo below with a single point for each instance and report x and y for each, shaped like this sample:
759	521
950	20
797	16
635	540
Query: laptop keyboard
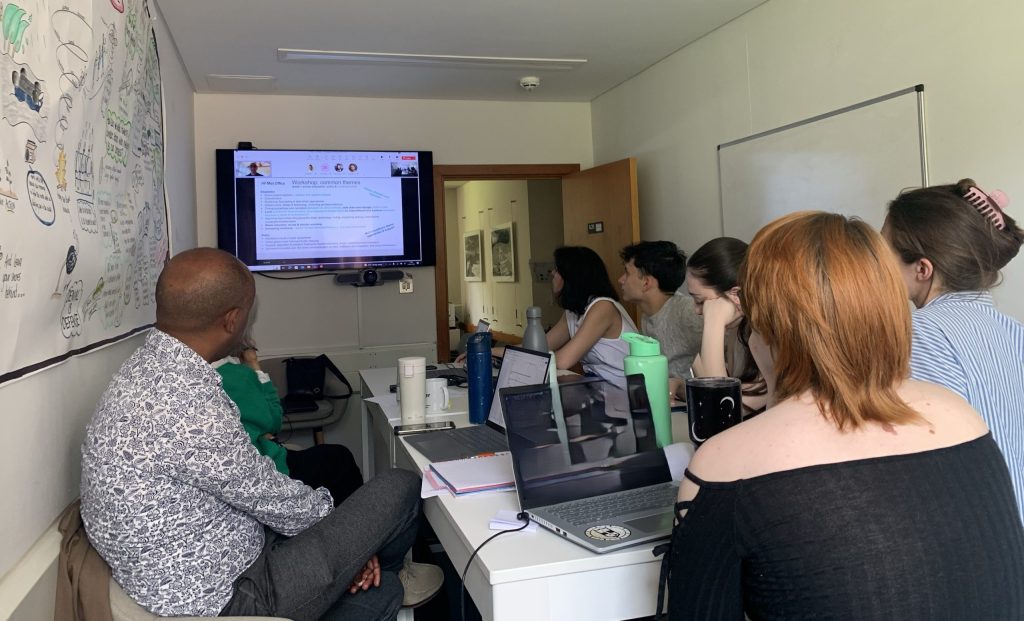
591	510
477	440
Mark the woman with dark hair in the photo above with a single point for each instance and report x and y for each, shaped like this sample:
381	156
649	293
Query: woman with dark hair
859	494
712	281
951	242
589	330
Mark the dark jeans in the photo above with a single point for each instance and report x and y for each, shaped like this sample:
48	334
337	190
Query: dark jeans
307	576
326	465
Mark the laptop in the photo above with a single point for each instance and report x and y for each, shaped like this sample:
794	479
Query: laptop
519	367
456	376
582	465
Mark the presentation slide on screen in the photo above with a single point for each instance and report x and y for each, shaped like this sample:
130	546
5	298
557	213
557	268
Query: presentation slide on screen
325	217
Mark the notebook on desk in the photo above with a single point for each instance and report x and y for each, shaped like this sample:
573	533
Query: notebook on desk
475	475
579	467
519	367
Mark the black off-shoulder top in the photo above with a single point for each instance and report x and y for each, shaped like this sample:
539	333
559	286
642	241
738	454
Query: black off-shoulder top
925	536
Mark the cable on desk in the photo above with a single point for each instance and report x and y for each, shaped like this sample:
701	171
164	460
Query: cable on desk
525	518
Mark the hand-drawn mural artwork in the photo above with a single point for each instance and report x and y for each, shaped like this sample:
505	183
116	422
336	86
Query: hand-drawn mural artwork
83	218
15	21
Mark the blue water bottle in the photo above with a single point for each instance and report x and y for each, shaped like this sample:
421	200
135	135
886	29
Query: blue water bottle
478	368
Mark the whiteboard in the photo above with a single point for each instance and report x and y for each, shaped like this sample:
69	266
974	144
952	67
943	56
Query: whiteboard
851	161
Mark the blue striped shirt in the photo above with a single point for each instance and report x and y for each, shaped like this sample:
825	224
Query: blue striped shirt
962	342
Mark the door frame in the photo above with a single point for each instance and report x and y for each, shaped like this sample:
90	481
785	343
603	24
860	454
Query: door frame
472	172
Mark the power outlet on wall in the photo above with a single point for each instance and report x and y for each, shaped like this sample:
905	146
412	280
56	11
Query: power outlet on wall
542	270
405	285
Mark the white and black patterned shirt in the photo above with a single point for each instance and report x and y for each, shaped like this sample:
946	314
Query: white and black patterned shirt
174	495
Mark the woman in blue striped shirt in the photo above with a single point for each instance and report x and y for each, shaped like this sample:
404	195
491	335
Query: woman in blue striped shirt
951	241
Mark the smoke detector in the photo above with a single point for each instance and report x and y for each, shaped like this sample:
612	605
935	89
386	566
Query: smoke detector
529	82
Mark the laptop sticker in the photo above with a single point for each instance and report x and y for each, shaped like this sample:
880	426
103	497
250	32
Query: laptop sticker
607	533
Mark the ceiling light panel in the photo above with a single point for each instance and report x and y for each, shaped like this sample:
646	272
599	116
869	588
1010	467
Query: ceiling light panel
241	83
331	56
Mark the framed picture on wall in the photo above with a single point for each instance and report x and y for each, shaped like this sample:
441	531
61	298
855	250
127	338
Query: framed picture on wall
503	253
473	256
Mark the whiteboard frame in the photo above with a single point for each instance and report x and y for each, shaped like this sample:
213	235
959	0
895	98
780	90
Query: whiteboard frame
917	89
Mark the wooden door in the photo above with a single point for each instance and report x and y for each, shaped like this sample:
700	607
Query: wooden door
600	211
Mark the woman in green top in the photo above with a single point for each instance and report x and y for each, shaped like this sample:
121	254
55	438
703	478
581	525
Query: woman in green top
322	465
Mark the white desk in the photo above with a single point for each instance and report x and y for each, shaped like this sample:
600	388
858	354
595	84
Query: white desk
378	424
524	575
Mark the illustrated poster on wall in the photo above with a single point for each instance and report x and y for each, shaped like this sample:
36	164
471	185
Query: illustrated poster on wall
83	223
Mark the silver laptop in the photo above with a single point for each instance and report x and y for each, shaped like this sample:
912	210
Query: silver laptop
519	367
580	470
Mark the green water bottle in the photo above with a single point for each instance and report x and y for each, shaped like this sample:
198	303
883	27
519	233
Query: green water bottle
645	359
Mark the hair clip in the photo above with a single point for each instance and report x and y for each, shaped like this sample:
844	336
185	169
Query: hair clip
989	205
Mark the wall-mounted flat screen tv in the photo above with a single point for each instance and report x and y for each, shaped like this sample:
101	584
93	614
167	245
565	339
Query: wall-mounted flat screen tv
291	210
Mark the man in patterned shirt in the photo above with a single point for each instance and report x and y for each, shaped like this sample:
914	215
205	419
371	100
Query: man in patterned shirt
190	517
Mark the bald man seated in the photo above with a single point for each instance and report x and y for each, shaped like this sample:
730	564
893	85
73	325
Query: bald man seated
190	517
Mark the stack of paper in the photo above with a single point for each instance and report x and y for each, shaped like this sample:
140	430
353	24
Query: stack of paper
431	486
476	474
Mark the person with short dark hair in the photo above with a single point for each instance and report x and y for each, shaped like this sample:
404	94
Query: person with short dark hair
712	275
190	517
951	242
859	493
652	272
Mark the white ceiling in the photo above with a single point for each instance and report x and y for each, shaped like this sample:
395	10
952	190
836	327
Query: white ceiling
619	39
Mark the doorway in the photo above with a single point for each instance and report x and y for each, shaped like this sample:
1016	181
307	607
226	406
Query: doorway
600	210
502	235
519	172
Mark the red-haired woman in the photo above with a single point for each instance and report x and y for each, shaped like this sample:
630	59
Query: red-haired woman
858	494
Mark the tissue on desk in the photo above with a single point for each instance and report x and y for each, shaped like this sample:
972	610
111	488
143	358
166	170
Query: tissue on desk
678	456
505	519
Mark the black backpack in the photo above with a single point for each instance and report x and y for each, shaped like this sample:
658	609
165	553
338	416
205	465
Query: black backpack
305	377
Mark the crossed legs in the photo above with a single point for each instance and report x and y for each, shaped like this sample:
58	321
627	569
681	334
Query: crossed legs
307	576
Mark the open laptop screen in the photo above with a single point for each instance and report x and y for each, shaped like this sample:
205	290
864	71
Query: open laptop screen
588	450
519	367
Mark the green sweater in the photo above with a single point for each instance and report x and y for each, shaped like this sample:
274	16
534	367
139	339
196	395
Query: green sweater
259	406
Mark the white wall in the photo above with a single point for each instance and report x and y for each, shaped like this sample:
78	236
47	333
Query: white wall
791	59
44	415
458	132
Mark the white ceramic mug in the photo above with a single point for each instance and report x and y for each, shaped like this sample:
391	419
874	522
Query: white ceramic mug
412	389
438	397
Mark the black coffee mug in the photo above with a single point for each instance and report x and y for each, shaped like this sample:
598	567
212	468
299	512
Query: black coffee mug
713	404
